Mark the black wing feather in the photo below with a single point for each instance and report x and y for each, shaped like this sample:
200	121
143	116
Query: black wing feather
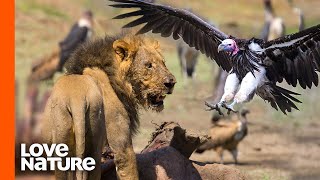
295	58
178	23
134	13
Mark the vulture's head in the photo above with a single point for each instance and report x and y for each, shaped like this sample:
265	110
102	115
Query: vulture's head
228	45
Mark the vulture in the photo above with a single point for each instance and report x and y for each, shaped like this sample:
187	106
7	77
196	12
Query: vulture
226	135
300	14
79	33
255	66
274	26
188	58
301	20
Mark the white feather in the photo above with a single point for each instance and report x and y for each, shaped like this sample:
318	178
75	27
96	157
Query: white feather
230	87
249	84
84	23
286	44
255	47
276	28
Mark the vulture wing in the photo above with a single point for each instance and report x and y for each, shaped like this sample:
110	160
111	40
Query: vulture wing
295	58
179	23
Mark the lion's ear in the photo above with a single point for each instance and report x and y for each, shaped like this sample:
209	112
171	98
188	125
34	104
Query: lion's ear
121	48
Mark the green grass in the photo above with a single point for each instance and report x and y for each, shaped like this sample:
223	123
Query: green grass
265	177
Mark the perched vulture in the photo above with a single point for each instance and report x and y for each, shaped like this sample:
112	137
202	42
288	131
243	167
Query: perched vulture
254	65
274	26
79	33
226	134
188	58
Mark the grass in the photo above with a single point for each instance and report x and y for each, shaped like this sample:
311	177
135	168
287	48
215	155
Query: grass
31	6
203	69
265	177
267	174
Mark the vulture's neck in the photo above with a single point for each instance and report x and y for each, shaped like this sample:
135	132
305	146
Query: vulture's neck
83	22
268	11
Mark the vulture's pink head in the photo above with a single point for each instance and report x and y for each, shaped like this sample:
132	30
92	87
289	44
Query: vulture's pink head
228	45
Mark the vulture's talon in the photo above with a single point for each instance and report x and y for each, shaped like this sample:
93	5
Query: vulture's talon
229	108
215	107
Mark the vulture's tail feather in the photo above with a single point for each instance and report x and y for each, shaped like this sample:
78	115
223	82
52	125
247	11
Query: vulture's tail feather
278	97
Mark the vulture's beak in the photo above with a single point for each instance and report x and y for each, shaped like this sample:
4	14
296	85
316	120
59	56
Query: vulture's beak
221	47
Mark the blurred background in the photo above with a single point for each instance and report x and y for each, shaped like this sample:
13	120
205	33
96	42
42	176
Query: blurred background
277	146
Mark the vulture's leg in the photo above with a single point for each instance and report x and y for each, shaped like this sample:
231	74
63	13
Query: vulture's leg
219	151
234	153
221	158
183	62
249	85
230	88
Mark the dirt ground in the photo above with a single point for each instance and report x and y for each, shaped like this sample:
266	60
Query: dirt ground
272	149
277	146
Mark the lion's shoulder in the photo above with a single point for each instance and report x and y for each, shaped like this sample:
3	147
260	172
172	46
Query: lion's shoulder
75	86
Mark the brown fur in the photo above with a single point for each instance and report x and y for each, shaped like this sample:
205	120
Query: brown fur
226	135
107	81
44	68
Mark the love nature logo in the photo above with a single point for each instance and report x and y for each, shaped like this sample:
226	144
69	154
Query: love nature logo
42	157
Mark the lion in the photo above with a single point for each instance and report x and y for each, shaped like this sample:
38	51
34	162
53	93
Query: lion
97	101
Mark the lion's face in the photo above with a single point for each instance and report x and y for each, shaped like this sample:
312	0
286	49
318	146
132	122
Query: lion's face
147	73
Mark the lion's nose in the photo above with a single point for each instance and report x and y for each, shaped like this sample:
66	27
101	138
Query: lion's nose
170	82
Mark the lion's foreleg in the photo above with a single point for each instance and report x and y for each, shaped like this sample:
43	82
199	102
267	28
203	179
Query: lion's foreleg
119	138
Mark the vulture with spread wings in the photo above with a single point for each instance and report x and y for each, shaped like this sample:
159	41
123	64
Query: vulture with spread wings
254	65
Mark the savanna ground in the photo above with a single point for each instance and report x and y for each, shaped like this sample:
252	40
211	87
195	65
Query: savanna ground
277	147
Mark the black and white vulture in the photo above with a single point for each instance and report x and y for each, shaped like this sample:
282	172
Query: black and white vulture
273	26
79	33
254	65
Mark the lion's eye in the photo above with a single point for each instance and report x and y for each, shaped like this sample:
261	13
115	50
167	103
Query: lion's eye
149	65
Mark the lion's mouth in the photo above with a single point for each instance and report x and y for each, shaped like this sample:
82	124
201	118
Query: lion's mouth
156	101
